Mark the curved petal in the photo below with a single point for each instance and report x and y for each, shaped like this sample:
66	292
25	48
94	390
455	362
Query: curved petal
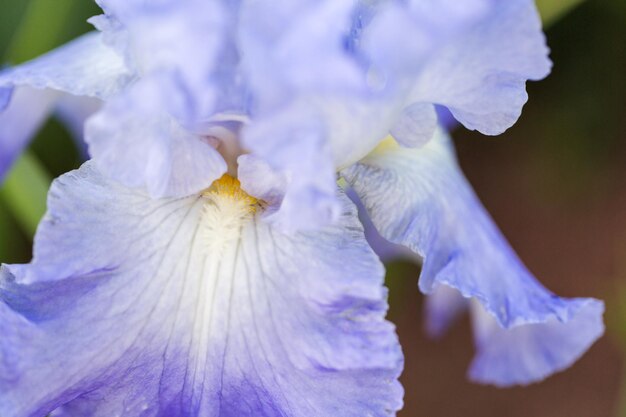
416	126
83	67
259	179
310	97
420	199
74	111
473	59
138	143
309	199
286	52
193	307
443	307
185	69
27	111
531	352
387	251
308	141
190	41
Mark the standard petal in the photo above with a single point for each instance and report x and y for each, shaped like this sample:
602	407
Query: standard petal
420	199
193	45
308	141
260	180
27	111
313	110
135	141
416	126
83	67
474	59
193	307
293	143
286	52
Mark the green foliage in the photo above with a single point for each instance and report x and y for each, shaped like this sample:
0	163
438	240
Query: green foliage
44	25
28	29
24	192
14	245
40	29
552	10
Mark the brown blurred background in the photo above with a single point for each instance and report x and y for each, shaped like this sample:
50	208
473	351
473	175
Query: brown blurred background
556	185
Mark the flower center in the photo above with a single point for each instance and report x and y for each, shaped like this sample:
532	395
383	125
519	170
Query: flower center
227	209
228	190
226	142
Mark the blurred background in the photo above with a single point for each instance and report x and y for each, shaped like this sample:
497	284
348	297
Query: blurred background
555	183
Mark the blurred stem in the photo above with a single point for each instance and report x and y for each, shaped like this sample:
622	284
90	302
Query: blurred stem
552	10
24	192
40	29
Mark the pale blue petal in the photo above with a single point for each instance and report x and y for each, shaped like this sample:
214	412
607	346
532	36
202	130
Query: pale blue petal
135	141
261	181
387	251
114	35
442	308
309	199
420	199
157	123
190	41
308	141
286	52
469	57
83	67
522	354
312	109
416	126
473	59
28	110
136	306
531	352
5	97
445	119
294	205
73	111
151	135
399	37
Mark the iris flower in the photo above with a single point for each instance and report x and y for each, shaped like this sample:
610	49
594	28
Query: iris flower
206	262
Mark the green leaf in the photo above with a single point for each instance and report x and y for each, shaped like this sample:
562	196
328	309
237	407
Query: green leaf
14	247
24	192
41	29
552	10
